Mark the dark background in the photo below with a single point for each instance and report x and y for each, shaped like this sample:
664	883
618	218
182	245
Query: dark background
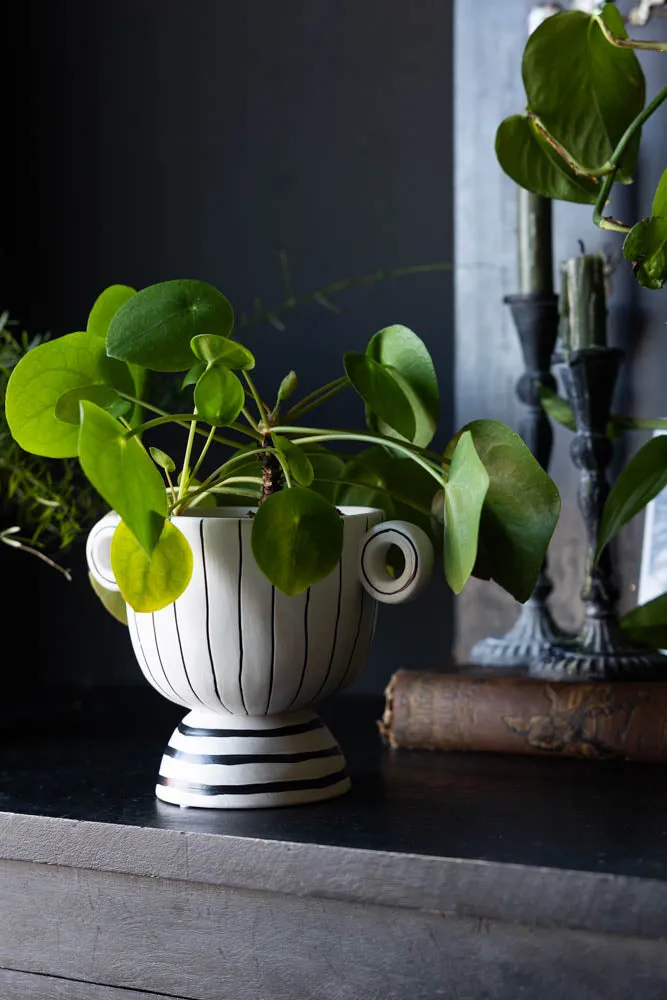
155	139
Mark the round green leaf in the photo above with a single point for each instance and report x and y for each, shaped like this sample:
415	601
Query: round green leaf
379	387
520	510
195	373
646	246
123	473
155	327
40	379
297	539
393	484
151	582
585	91
326	470
531	162
641	480
410	362
219	396
465	492
111	599
162	459
299	464
68	409
106	306
223	351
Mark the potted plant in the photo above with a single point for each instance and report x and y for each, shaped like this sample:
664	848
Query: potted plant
251	614
578	138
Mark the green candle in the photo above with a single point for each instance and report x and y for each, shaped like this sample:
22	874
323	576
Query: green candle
535	254
583	305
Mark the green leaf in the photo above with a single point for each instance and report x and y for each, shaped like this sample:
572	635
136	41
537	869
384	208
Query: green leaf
221	350
648	623
299	464
531	162
520	511
219	396
378	472
410	363
162	459
151	582
123	474
644	476
105	308
195	373
557	408
155	327
287	386
40	379
659	206
465	491
111	599
380	389
68	409
326	470
585	91
646	246
297	539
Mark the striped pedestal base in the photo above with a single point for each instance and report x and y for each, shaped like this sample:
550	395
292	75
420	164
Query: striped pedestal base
246	762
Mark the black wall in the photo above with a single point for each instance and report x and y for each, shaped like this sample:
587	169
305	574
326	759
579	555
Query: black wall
153	139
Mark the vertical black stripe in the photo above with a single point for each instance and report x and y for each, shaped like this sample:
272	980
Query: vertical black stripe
305	652
273	647
159	658
335	635
240	618
133	617
180	647
364	596
208	635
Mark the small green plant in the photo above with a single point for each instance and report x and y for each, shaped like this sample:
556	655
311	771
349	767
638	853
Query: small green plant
486	500
44	505
579	136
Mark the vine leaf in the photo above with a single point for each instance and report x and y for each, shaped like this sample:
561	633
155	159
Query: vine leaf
640	481
465	492
526	157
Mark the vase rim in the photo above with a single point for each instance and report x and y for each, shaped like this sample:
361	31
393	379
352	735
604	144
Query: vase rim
245	513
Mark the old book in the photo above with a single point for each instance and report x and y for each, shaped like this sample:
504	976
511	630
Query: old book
434	711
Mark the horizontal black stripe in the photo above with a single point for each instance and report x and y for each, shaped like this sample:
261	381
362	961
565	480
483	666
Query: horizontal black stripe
301	727
260	787
251	758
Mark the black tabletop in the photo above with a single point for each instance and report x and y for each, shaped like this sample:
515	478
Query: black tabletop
94	757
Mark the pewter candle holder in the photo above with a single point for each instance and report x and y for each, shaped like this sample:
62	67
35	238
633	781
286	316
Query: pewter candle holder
601	650
535	316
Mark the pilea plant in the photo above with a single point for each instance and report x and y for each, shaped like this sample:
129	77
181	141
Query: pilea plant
579	136
486	499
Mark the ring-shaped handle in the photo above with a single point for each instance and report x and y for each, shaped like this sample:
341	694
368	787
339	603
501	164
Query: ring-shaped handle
98	550
417	552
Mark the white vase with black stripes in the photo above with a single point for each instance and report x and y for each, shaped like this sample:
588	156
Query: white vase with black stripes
250	663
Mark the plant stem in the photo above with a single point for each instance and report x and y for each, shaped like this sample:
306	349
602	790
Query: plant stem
202	454
316	397
263	412
293	302
156	409
185	472
315	436
219	474
378	489
615	159
251	420
437	460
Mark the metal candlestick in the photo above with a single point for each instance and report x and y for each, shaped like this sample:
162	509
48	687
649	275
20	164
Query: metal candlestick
601	650
536	319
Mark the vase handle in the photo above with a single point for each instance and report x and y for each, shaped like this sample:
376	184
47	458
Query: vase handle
417	552
98	550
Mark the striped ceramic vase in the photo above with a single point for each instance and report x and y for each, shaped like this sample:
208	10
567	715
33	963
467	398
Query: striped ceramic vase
250	662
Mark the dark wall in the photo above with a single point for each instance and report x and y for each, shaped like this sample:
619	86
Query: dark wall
488	359
160	139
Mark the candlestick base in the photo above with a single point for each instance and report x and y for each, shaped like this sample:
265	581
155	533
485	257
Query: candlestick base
532	636
601	651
